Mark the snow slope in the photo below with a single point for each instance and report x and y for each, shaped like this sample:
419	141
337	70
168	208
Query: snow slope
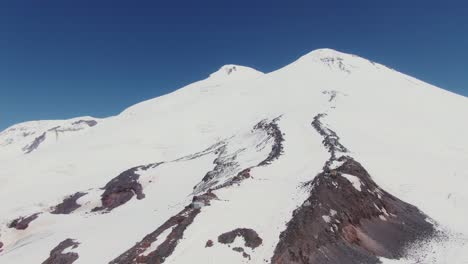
234	151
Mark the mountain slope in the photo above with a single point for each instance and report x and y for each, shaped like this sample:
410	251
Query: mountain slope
25	138
316	161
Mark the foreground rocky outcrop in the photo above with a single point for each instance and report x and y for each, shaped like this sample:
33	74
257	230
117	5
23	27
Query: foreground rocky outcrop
348	218
59	256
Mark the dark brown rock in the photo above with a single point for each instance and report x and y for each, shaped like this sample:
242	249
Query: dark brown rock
199	201
251	238
209	243
244	174
178	223
122	188
58	257
241	250
339	223
69	204
362	224
238	249
22	223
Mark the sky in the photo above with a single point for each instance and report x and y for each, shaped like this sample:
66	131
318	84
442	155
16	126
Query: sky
62	58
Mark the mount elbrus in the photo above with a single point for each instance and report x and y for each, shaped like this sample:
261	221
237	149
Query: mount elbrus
331	159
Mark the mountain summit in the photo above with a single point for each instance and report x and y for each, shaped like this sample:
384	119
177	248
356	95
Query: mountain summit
330	159
235	72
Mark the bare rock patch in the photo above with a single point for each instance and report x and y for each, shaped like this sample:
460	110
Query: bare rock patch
57	255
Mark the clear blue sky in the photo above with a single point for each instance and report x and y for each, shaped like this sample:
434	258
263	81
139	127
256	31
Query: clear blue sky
64	58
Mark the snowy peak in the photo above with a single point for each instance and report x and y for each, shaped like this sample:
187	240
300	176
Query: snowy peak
325	52
335	60
324	55
235	72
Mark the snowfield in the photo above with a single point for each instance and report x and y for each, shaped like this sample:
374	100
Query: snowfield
239	154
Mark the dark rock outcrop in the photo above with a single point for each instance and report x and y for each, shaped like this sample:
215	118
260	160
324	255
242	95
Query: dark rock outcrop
178	223
122	188
35	144
341	224
330	140
90	123
22	223
244	174
273	131
69	204
58	257
241	250
224	164
209	243
241	176
238	249
251	238
348	218
199	201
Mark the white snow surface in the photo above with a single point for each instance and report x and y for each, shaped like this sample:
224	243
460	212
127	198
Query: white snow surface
355	181
409	135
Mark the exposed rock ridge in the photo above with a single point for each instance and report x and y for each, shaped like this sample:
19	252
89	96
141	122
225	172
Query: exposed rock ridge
143	251
69	204
348	218
273	131
35	144
226	164
331	140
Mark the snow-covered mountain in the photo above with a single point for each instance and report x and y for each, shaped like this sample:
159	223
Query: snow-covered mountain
331	159
27	137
